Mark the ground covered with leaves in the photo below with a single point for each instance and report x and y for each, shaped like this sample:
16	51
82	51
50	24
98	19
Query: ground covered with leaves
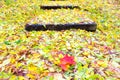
59	55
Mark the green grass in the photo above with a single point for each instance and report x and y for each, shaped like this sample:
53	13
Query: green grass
25	55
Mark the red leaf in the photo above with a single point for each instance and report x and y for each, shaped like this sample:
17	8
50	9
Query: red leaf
66	61
64	67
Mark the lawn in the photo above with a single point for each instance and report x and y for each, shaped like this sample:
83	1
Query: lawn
73	54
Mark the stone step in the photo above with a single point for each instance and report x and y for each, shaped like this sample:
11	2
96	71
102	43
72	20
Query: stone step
58	27
59	7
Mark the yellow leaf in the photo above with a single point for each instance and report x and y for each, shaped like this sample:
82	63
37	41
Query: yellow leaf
41	69
90	46
60	56
31	67
18	64
23	48
13	77
36	55
56	61
21	78
85	53
12	60
12	52
31	76
102	63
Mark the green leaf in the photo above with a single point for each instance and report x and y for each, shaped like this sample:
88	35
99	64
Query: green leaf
8	2
18	41
7	42
51	78
4	75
